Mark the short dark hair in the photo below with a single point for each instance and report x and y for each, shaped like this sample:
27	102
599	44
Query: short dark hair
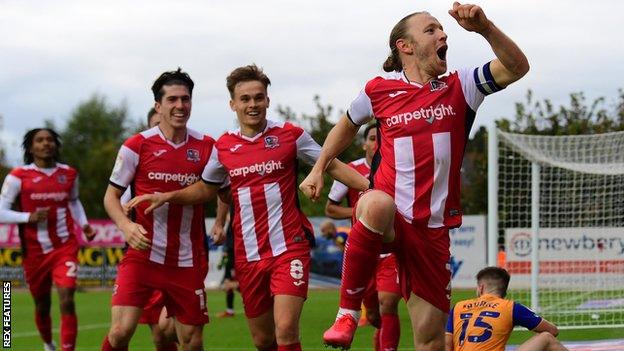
29	137
368	129
246	74
171	78
495	278
150	114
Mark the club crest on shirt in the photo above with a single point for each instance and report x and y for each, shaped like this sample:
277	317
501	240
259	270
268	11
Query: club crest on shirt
192	155
271	142
61	179
436	85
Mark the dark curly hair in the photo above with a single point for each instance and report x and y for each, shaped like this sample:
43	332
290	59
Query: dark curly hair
171	78
29	137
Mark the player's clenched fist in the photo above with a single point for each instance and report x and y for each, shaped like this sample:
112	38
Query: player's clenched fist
312	185
470	17
134	234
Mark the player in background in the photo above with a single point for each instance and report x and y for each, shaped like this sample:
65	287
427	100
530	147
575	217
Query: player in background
45	192
424	119
271	234
154	312
486	322
229	283
166	248
383	293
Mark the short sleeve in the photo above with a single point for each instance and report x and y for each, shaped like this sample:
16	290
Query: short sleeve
476	84
308	150
361	110
214	172
338	191
449	322
125	167
524	317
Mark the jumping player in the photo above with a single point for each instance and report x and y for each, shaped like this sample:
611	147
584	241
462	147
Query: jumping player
46	193
485	323
271	234
423	123
167	250
383	292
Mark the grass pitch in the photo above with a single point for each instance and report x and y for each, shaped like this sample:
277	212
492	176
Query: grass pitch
229	334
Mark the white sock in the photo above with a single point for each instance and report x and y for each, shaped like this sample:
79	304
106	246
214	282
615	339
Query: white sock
345	311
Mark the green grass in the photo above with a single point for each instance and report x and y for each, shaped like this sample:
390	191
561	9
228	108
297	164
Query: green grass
231	333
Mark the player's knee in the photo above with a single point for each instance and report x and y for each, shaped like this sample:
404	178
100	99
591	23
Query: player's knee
388	305
427	339
67	305
286	332
119	336
263	341
376	209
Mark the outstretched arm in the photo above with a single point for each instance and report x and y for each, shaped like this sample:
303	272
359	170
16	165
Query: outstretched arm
510	64
194	194
338	139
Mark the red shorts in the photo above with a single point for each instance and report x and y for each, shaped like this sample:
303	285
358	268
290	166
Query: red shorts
259	281
423	261
59	266
182	289
152	309
386	278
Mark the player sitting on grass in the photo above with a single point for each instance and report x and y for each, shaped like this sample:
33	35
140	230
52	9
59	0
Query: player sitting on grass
485	323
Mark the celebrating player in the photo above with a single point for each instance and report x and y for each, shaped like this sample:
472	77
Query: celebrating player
485	323
154	312
167	250
272	249
47	196
383	292
424	120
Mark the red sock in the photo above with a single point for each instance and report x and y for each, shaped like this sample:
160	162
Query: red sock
291	347
44	325
69	330
390	332
106	346
169	347
377	340
358	266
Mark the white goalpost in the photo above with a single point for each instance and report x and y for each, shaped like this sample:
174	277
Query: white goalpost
556	203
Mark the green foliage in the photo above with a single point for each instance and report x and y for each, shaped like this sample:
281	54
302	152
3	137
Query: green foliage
579	116
318	125
91	140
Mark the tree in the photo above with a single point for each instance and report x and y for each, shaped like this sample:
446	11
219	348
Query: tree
537	117
91	140
318	125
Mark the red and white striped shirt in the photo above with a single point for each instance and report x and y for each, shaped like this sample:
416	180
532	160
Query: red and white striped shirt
37	188
339	191
152	164
263	174
423	131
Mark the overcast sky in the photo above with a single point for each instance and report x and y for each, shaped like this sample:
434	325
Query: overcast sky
55	54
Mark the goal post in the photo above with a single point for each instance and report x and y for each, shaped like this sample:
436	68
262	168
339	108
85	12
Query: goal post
557	204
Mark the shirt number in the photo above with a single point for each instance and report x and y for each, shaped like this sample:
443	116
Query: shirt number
478	323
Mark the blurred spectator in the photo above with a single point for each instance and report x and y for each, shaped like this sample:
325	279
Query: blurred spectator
330	232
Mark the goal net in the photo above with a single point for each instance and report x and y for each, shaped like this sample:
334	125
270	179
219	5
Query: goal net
568	192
